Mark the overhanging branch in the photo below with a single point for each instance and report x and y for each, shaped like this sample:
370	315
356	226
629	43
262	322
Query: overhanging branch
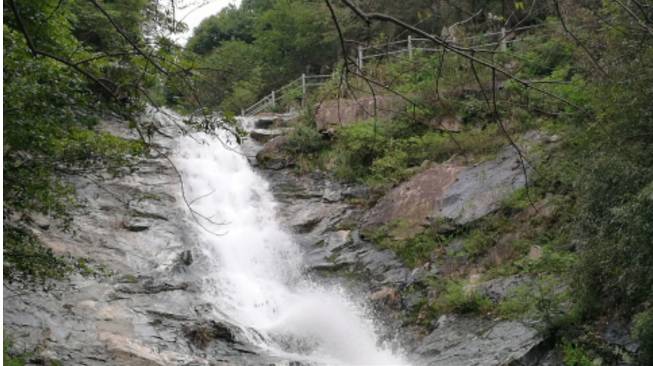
466	53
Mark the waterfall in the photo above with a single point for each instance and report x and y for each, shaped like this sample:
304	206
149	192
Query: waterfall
257	279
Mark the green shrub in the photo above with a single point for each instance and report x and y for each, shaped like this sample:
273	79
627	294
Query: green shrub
615	266
456	298
305	140
518	303
543	57
479	241
88	148
474	110
413	251
613	182
552	261
545	298
357	146
383	154
389	169
575	355
643	332
9	359
25	255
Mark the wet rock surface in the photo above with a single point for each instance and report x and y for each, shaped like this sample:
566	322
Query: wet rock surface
271	120
273	156
327	228
328	223
265	135
139	301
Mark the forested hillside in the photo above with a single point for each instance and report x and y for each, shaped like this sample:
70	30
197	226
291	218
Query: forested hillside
570	100
244	51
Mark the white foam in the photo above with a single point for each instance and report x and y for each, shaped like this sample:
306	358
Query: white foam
258	280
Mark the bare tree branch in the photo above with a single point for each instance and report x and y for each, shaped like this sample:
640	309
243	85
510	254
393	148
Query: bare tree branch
578	41
463	52
635	17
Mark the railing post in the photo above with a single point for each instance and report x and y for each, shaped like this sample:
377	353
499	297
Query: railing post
274	101
360	57
503	45
303	88
410	47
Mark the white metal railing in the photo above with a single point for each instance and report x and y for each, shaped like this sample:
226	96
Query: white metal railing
301	84
412	44
402	46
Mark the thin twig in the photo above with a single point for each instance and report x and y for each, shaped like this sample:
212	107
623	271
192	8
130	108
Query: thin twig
464	52
580	44
635	17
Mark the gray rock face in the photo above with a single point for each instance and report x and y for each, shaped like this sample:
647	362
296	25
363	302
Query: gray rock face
411	204
142	304
264	136
343	112
479	190
272	155
473	341
334	247
448	193
324	223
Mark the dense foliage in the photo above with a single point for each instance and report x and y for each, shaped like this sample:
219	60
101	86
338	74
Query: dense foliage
273	42
67	64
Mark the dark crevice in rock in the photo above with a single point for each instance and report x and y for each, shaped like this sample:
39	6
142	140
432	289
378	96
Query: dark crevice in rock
201	335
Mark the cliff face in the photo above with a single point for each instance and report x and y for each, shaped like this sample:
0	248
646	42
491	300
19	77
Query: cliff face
138	297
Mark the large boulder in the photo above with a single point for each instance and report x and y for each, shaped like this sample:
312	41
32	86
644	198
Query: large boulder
448	193
264	135
479	190
342	112
273	155
271	120
411	204
459	341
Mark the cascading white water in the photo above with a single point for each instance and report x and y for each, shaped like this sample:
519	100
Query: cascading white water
258	281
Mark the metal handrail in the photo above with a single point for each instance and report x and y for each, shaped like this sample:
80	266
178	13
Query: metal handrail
270	99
